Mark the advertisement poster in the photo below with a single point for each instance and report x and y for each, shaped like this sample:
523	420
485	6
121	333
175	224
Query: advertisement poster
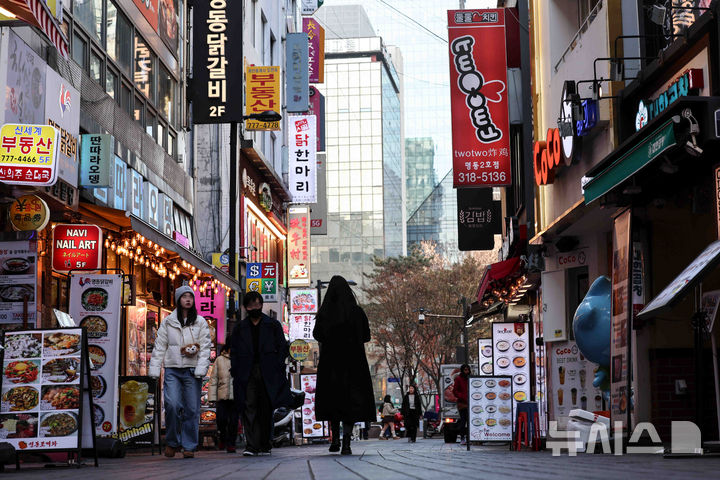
572	376
18	281
301	327
24	95
95	303
40	406
149	10
152	323
137	410
302	143
135	356
490	409
485	356
168	24
262	90
619	396
262	278
304	300
448	373
511	355
298	260
311	428
478	98
62	111
76	247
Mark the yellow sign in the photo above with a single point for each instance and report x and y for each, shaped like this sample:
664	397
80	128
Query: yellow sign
28	154
299	350
262	95
29	212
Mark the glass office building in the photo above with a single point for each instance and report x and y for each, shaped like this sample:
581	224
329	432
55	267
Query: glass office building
364	160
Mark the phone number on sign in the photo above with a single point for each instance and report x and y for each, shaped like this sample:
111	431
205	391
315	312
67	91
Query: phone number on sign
473	177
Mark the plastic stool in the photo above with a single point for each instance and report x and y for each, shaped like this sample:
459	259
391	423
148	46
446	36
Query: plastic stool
527	425
521	426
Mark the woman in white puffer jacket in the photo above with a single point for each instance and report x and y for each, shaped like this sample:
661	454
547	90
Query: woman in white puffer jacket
182	346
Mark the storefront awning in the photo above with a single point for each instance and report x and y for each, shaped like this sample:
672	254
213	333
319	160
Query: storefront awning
497	271
38	14
646	150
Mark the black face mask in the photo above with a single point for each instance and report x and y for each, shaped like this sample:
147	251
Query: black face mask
255	313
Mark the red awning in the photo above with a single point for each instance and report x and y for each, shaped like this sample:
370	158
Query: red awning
497	271
37	14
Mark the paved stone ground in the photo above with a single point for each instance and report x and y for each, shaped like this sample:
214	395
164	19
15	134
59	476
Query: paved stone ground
384	460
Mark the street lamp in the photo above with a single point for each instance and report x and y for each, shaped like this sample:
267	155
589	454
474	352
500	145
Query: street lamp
467	320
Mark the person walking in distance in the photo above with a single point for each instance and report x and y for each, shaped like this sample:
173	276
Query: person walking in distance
460	390
182	346
388	418
411	408
220	391
258	350
344	387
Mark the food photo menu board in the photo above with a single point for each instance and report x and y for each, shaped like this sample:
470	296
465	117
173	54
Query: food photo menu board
572	377
311	427
490	410
485	356
40	407
511	354
95	304
18	279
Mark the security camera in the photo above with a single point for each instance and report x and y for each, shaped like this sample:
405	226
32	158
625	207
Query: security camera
421	318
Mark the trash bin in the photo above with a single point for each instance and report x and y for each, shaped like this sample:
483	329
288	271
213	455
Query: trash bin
581	421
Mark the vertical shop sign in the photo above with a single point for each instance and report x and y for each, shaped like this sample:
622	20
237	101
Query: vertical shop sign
299	246
25	83
316	49
297	72
95	303
167	222
478	83
28	154
262	278
135	193
479	219
217	74
149	10
76	247
262	95
619	345
151	212
319	210
18	281
317	108
62	111
211	306
638	278
303	158
96	160
119	181
301	327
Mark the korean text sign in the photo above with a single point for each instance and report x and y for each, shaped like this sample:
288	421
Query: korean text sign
262	94
478	219
262	278
28	154
76	247
211	306
297	72
478	97
316	49
302	144
217	81
299	246
96	160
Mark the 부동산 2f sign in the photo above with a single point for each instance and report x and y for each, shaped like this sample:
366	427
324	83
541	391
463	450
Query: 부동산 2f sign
478	96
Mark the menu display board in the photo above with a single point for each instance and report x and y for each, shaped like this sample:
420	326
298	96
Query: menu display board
490	408
40	407
572	376
540	374
311	428
95	303
136	339
18	261
137	410
485	356
511	352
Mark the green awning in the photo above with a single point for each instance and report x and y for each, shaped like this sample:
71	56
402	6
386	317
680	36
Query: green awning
632	162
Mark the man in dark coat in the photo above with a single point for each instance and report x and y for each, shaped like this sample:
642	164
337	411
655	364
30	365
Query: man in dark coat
258	352
344	387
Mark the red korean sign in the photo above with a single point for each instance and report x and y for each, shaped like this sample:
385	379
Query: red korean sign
28	154
76	247
478	96
299	246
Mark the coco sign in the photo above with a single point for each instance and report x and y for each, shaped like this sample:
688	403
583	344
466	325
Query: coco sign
559	147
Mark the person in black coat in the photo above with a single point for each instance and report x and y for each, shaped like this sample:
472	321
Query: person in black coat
258	350
344	388
411	408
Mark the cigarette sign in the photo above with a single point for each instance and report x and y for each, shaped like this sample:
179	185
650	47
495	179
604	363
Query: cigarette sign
76	247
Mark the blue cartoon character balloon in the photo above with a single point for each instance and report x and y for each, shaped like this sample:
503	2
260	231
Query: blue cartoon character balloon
592	326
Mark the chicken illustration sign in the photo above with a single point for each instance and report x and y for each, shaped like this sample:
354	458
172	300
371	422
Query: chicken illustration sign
76	247
478	96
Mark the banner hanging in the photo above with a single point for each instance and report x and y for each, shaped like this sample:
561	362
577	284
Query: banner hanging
302	143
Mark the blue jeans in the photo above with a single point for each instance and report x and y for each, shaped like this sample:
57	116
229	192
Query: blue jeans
182	408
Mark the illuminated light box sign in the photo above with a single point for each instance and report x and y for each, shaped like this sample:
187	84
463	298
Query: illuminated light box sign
76	247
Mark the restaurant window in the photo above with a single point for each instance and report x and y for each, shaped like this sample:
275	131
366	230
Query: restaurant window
119	37
144	75
111	84
79	50
90	14
96	64
166	94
